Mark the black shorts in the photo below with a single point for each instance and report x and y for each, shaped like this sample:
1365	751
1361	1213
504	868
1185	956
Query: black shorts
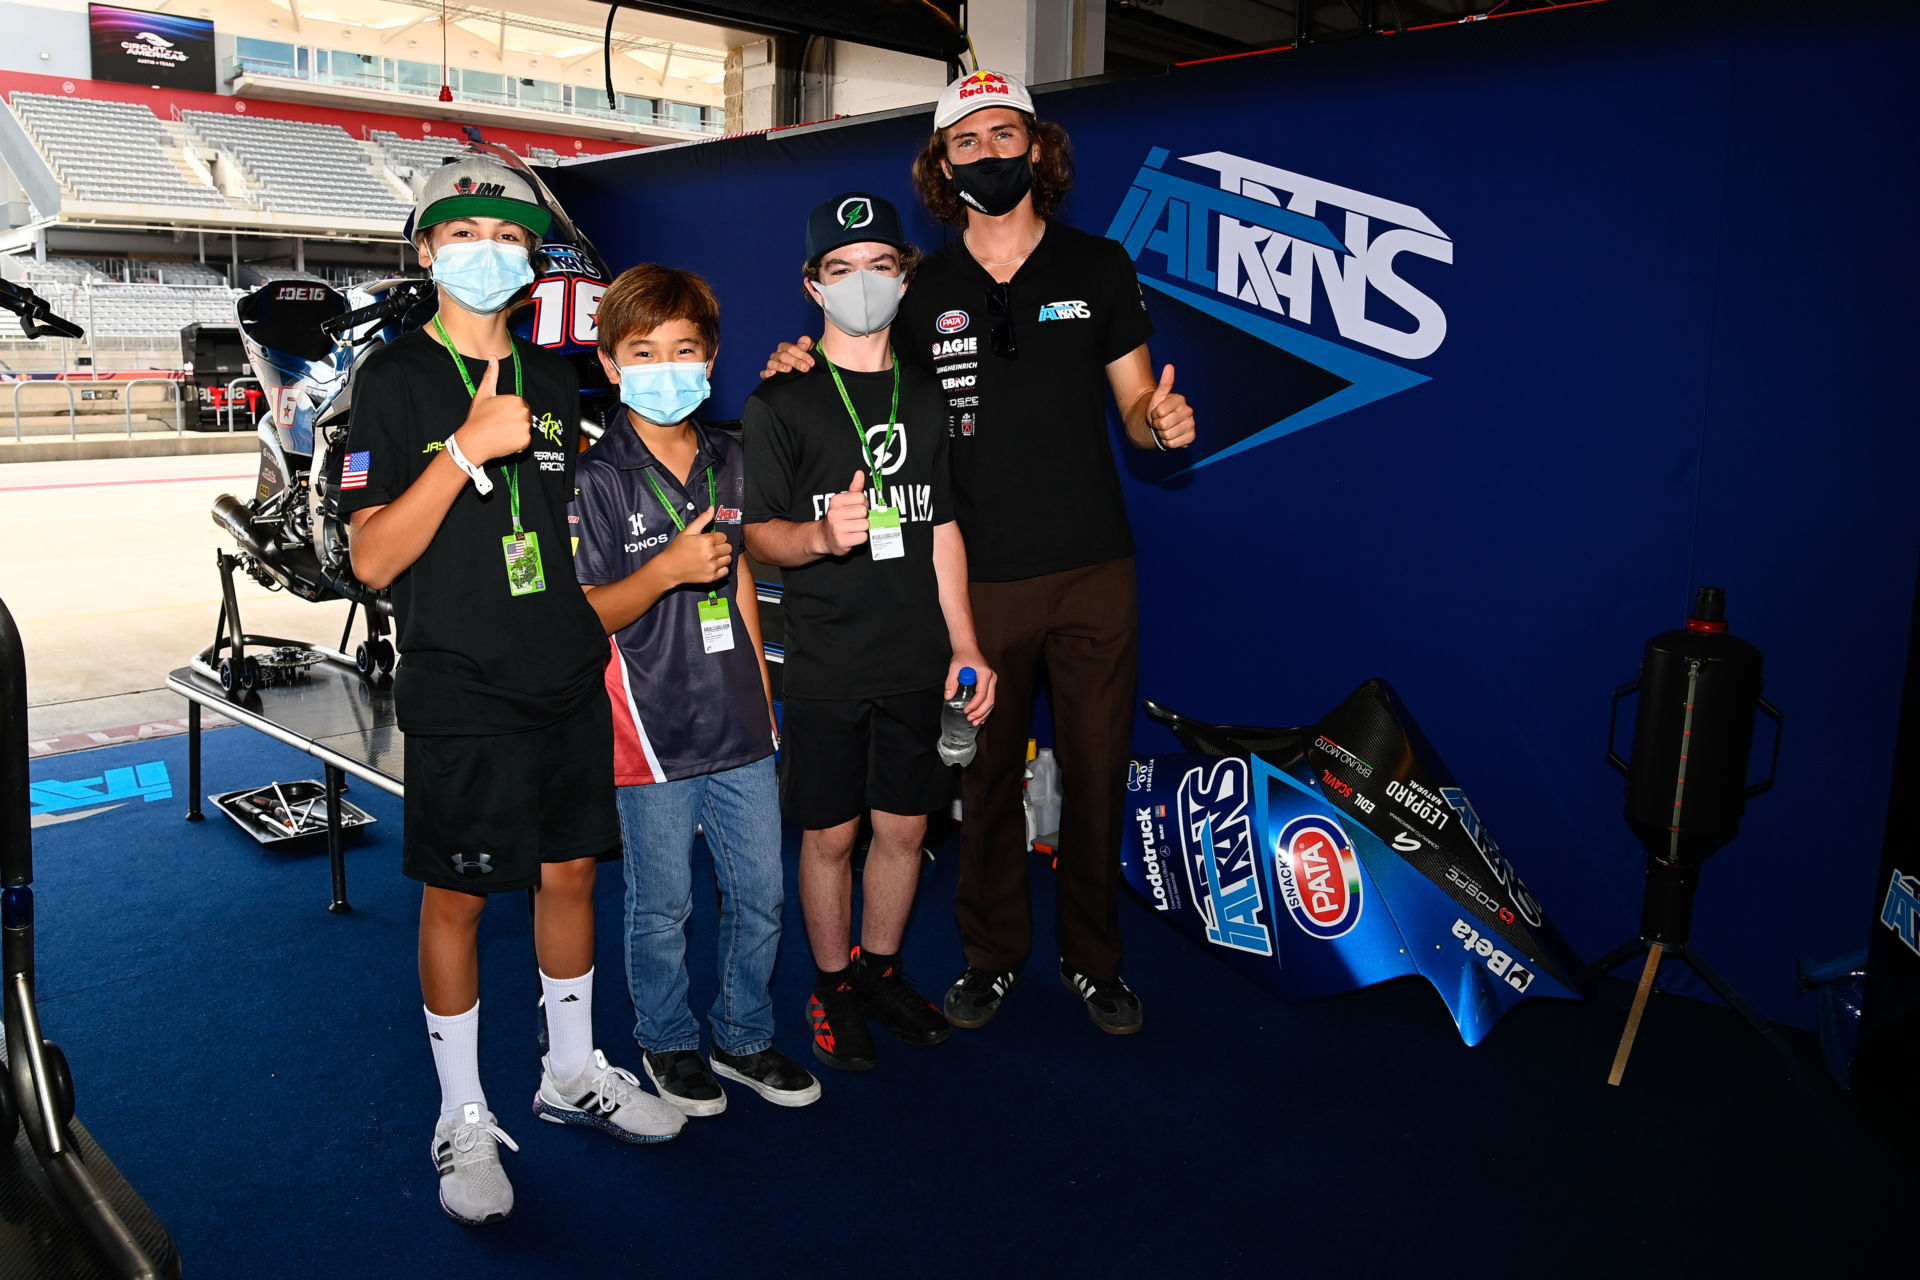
484	811
839	759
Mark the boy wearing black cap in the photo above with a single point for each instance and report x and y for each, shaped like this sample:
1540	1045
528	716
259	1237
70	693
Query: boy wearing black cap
847	492
509	739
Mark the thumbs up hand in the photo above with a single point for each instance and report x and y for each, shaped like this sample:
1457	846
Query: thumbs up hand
698	553
845	525
497	425
1169	415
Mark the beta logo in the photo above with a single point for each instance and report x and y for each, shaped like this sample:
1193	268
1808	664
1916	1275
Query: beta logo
1499	963
1075	310
950	322
1319	876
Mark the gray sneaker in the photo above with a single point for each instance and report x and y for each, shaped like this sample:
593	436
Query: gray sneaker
606	1098
466	1150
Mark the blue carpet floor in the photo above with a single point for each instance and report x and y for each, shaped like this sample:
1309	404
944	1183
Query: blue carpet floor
258	1068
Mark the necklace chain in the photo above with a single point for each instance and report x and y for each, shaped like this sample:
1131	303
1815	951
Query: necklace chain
1010	261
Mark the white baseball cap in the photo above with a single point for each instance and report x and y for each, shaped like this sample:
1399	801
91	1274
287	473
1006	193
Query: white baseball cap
981	89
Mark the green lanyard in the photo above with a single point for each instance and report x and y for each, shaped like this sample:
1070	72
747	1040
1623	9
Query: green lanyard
674	515
860	428
513	472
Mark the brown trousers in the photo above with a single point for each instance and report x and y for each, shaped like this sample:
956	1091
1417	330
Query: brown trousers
1083	625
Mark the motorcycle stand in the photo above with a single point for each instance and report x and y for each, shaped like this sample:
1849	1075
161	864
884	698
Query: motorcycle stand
240	673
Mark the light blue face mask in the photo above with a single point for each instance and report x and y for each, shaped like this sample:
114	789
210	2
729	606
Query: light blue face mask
664	391
482	275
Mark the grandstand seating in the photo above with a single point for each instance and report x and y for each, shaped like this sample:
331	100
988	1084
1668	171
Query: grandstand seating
297	167
414	157
542	155
110	151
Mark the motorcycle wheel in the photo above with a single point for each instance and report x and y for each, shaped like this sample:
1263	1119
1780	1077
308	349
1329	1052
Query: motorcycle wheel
59	1081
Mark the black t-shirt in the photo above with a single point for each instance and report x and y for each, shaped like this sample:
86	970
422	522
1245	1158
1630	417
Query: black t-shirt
856	627
475	658
1034	482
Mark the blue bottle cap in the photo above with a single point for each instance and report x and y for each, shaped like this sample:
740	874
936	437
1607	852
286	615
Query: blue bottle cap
969	676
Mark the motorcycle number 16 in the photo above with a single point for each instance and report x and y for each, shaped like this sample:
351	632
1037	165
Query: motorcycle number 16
564	311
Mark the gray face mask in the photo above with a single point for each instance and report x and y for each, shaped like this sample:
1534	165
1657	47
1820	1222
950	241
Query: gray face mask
862	302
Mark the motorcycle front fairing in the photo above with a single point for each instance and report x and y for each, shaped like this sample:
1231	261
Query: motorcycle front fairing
1342	857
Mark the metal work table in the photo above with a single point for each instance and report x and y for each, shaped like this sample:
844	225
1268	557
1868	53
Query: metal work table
331	714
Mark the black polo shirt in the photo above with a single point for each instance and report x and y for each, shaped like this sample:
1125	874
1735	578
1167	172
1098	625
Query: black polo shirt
474	657
1034	481
678	711
856	627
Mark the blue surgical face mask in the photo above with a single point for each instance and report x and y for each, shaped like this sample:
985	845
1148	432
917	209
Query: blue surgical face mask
482	275
664	391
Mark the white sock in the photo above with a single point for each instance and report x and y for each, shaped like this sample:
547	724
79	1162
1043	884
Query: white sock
456	1056
569	1023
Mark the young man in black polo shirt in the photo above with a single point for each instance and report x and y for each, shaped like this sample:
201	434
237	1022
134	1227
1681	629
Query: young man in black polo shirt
509	744
1029	323
658	535
847	491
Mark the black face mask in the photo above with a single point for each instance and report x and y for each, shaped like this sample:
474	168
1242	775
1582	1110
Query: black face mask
993	185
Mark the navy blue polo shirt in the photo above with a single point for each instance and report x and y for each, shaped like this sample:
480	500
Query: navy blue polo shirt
678	711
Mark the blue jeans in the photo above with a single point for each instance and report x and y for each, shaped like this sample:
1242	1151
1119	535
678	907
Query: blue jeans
740	811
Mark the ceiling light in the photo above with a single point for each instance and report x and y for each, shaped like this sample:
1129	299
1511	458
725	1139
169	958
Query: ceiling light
413	44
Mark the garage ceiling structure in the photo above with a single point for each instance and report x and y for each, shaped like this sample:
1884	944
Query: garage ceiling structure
926	28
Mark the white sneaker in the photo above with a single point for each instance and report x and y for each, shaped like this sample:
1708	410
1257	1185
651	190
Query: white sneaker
606	1098
466	1150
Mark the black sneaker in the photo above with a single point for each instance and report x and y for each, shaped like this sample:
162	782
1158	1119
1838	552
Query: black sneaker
771	1074
1110	1002
972	1001
840	1035
887	993
682	1081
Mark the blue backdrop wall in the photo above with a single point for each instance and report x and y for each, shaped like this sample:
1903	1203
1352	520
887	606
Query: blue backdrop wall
1503	338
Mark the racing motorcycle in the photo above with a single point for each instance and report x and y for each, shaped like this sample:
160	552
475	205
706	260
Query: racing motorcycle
306	340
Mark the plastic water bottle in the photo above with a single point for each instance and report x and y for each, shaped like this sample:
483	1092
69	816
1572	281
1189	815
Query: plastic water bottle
1044	792
957	733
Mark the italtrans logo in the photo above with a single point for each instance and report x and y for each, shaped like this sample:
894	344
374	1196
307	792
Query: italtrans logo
1257	249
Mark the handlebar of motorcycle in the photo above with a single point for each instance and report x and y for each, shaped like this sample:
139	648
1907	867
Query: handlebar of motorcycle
398	301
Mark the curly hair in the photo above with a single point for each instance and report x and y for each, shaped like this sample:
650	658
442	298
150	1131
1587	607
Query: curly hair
1052	173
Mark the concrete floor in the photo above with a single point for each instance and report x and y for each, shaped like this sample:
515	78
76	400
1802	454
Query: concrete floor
108	570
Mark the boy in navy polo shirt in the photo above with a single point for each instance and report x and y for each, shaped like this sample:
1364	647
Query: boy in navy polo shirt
656	523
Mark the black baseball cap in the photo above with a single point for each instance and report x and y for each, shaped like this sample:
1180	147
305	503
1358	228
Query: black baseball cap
852	217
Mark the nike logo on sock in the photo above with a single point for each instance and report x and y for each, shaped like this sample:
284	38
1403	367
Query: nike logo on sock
570	1000
435	1035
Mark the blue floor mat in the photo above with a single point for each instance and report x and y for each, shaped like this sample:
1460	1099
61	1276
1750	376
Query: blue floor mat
257	1067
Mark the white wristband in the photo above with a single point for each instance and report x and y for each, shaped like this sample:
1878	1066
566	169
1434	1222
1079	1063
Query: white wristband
481	484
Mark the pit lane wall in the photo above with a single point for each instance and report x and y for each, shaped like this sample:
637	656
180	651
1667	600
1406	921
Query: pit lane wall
1504	338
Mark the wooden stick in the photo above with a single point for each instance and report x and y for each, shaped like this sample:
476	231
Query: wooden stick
1633	1015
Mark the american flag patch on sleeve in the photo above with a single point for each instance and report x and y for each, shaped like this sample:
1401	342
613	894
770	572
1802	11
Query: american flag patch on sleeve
353	475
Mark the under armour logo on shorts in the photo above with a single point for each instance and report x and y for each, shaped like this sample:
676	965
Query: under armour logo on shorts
481	863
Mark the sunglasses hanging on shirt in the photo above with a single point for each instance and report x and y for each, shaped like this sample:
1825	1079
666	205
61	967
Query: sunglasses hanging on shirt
1000	309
